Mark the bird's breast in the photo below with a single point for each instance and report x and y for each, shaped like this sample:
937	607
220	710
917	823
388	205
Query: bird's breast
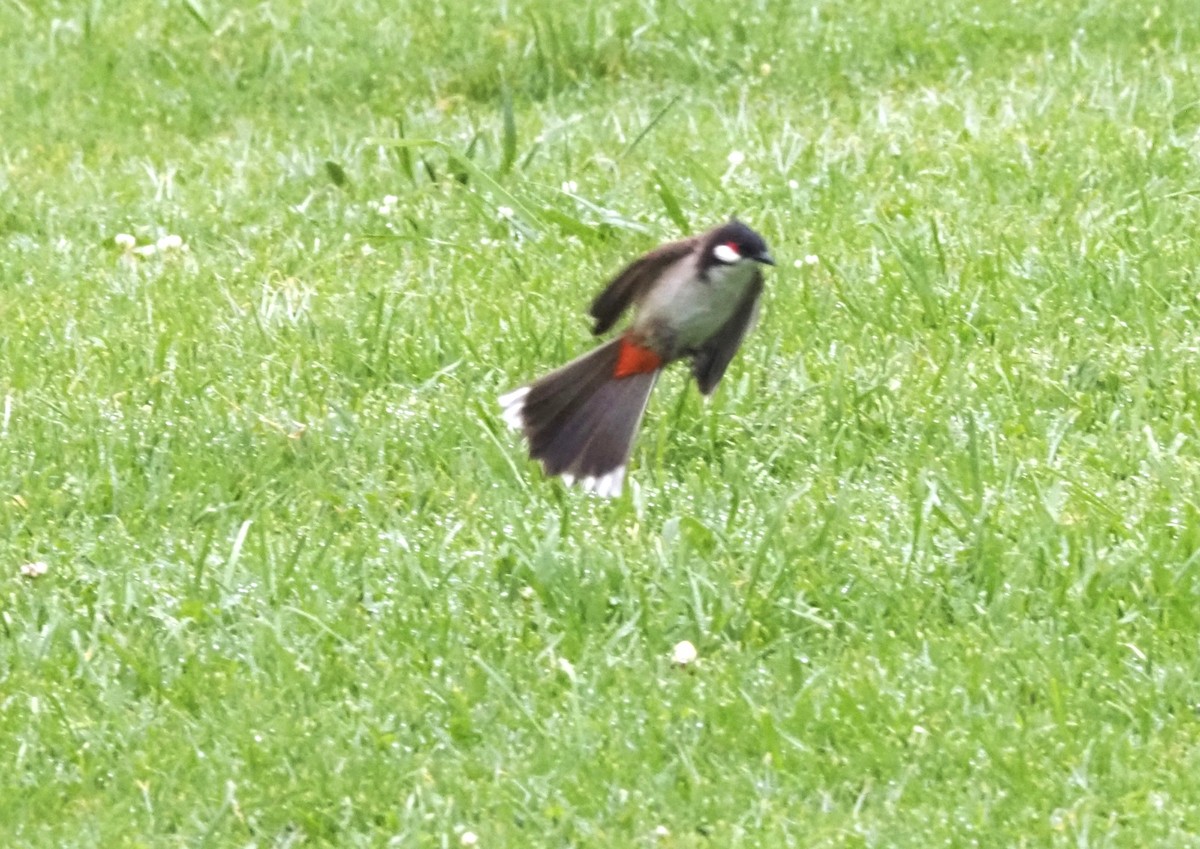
684	308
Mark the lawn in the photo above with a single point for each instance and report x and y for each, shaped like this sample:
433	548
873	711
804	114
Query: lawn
273	573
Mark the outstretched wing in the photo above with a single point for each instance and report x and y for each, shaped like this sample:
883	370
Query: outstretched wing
711	360
630	285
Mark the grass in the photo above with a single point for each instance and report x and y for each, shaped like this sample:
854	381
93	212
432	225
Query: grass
936	537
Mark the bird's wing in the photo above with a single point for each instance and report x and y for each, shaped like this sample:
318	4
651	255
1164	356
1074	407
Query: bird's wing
711	360
631	284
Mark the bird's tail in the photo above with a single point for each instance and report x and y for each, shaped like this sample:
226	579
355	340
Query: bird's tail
580	419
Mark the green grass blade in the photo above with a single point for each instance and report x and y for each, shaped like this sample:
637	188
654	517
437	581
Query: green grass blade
670	202
508	135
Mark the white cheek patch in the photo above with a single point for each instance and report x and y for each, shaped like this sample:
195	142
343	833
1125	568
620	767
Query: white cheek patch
726	253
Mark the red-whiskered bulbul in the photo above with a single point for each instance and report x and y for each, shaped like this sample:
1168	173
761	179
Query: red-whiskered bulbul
695	298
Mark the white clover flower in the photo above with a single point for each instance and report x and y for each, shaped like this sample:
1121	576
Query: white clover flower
125	241
385	207
566	668
469	838
570	187
684	653
811	259
146	250
793	184
662	832
34	568
170	242
736	158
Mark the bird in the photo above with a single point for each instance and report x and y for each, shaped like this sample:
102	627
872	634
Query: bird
693	299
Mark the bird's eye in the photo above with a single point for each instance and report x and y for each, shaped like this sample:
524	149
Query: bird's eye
727	252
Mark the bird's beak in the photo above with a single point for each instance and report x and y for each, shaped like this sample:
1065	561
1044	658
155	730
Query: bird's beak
765	258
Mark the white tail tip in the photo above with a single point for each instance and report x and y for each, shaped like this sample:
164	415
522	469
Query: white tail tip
513	406
606	486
